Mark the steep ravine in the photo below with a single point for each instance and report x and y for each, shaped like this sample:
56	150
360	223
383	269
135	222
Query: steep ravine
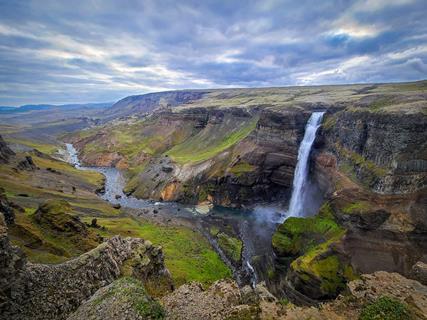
368	163
240	237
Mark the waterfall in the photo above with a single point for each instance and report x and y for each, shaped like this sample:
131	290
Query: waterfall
301	170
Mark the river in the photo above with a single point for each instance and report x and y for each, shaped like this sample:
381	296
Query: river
254	226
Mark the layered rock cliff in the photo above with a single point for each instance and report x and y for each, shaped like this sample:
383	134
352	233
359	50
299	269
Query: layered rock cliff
370	164
37	291
228	157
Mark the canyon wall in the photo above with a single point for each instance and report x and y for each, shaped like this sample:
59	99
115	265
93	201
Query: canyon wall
371	168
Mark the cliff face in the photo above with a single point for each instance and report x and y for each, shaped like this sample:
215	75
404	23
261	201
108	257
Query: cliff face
36	291
371	168
386	151
239	146
227	156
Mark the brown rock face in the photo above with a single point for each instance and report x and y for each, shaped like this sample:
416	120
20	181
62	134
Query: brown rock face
385	231
36	291
387	152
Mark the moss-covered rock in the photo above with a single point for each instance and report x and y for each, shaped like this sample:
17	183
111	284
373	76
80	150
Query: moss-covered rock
317	270
125	296
321	273
57	215
296	236
231	246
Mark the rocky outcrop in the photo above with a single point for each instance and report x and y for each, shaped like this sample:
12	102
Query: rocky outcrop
419	272
26	164
56	215
36	291
223	300
5	152
124	299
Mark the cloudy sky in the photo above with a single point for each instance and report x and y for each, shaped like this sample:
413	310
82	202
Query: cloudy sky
100	50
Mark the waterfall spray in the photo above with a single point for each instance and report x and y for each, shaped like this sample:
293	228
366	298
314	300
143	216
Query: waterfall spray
301	170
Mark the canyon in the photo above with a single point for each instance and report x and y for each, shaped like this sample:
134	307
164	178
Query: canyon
223	164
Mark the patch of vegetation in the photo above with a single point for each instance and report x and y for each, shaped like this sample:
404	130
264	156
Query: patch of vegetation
232	246
129	290
329	122
188	255
242	168
310	241
385	308
371	172
323	264
356	207
51	234
204	191
297	235
91	177
207	143
214	231
381	103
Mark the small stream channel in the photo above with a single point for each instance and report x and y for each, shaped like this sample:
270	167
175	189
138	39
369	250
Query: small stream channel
254	227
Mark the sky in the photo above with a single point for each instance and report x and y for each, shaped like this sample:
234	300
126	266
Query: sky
54	51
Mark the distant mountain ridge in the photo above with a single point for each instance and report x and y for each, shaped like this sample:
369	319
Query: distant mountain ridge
39	107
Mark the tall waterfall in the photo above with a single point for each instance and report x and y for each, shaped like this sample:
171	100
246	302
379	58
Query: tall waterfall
301	171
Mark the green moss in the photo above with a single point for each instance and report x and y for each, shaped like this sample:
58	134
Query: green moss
214	231
51	235
271	273
188	255
321	263
326	211
241	168
127	290
371	172
231	246
297	235
356	207
385	308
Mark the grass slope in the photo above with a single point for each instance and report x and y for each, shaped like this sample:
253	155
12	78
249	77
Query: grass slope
209	143
188	255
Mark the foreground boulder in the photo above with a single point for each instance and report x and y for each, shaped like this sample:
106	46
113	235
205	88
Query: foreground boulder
37	291
125	298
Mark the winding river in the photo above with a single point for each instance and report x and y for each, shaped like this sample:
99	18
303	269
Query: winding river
254	227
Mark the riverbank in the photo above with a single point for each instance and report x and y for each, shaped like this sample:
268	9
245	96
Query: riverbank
242	238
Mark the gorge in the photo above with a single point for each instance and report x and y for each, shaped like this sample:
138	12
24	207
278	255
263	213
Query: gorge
298	191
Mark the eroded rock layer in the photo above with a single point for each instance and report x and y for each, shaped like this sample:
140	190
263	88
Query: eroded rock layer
36	291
